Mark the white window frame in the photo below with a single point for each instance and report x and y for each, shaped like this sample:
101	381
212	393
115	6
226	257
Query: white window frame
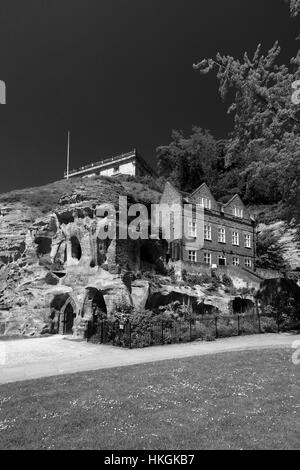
247	240
205	202
192	228
235	238
236	261
193	256
207	256
221	235
207	232
238	212
248	263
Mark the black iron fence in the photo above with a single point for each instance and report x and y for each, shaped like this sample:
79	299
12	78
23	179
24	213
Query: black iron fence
207	327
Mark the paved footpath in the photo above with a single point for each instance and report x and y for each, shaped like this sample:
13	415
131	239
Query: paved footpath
24	359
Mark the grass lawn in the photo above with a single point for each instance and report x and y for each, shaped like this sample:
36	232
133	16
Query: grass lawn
241	400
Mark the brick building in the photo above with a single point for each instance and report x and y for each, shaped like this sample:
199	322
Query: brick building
228	231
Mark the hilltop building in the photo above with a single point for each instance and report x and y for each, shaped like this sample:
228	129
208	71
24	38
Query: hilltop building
130	163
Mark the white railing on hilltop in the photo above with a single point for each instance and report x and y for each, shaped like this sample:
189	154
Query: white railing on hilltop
100	162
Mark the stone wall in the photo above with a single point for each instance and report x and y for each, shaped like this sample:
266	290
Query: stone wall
268	273
241	278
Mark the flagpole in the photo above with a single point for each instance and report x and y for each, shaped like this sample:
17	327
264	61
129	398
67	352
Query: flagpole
68	155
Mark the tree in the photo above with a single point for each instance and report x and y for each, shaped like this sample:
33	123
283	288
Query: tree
263	145
294	6
188	161
269	251
261	106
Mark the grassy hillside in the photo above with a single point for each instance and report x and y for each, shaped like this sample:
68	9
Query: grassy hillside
98	189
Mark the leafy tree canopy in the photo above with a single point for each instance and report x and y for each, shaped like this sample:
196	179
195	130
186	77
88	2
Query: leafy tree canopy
188	161
269	251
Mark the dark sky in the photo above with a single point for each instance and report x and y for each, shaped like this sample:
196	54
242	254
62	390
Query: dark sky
118	74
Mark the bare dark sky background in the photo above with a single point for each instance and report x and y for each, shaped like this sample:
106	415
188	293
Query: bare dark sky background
118	74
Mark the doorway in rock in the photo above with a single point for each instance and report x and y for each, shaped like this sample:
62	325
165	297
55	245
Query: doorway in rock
63	312
68	320
240	305
94	308
75	248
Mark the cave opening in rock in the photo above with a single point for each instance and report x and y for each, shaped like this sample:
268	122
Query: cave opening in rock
94	308
147	253
240	305
102	247
153	254
43	245
63	312
75	248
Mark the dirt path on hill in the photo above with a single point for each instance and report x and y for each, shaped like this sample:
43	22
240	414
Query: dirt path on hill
33	358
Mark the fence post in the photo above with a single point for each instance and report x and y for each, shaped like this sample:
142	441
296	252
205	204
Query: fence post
101	333
162	332
129	329
216	323
238	324
258	316
190	330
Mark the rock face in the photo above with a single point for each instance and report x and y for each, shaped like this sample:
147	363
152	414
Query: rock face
55	272
201	299
58	276
139	293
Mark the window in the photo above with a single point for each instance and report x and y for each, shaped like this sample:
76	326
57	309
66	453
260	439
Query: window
222	260
235	261
207	258
221	235
247	241
238	212
192	228
192	255
207	232
205	202
235	238
248	263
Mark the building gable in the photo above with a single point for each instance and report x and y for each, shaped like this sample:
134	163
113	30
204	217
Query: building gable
203	192
170	195
236	208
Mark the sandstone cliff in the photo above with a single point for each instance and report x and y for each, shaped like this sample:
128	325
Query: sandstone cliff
34	229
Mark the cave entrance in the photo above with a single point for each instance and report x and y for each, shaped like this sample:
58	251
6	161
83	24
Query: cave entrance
102	247
63	312
147	253
94	308
240	305
153	254
75	248
43	245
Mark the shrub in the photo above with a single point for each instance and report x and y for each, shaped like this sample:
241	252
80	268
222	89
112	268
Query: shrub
227	281
205	278
227	326
204	330
193	279
248	325
268	324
